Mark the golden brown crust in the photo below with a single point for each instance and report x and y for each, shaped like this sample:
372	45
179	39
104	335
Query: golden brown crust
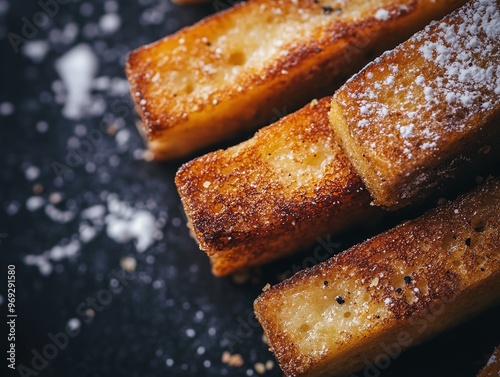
273	194
427	110
397	289
492	367
227	73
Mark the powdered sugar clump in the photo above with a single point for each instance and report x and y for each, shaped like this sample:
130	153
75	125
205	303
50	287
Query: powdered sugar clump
382	15
110	22
77	69
407	131
124	224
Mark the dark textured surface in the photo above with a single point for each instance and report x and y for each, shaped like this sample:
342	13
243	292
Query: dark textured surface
172	317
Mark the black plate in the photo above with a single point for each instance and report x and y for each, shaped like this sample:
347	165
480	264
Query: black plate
170	316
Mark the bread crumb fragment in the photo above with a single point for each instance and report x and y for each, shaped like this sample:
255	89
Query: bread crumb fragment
235	360
264	339
260	368
128	264
266	287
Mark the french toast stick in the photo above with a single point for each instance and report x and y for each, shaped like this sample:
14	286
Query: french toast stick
274	194
391	292
492	367
227	73
428	111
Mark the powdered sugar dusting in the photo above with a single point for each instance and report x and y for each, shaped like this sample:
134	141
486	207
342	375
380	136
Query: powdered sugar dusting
382	15
463	54
121	222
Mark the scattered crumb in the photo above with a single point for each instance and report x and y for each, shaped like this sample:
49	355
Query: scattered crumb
128	264
269	364
90	313
55	198
38	189
266	287
235	360
112	129
148	155
374	282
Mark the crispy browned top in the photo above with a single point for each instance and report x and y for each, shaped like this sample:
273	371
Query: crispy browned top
410	107
288	172
234	52
388	278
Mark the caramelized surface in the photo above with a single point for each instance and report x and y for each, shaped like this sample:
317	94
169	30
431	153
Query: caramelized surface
228	72
273	194
428	110
394	290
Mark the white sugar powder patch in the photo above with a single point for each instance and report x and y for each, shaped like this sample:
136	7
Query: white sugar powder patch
35	202
77	69
45	261
31	173
124	224
382	15
464	48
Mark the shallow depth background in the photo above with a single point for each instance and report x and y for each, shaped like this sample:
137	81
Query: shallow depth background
72	174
